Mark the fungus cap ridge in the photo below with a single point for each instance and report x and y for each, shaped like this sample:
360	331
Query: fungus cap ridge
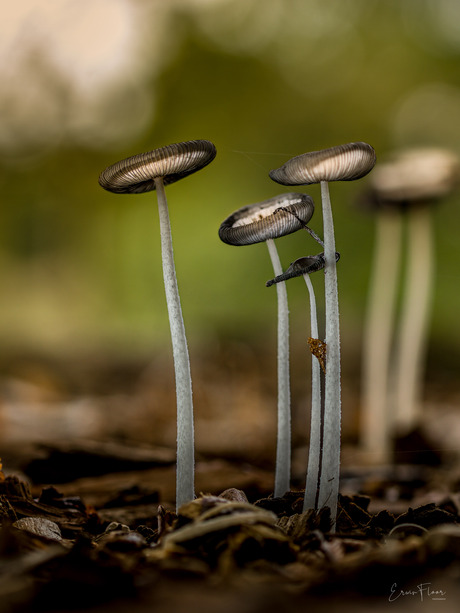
272	218
137	174
341	163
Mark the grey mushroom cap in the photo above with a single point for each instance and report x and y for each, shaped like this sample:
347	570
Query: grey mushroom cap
340	163
413	176
272	218
137	174
302	266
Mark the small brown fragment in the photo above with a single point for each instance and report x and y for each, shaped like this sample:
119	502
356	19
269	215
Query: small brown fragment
318	349
234	495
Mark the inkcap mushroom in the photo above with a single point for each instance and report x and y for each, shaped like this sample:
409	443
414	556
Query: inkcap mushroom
304	267
402	190
263	222
143	173
341	163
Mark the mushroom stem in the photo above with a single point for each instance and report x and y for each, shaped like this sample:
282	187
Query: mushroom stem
283	448
311	485
375	404
411	340
330	469
185	489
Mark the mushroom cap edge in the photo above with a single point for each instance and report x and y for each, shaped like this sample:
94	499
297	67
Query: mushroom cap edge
137	174
340	163
287	213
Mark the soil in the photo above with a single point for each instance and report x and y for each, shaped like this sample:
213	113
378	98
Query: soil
87	513
110	540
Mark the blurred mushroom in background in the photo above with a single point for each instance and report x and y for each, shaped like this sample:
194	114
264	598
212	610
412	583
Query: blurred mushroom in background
402	191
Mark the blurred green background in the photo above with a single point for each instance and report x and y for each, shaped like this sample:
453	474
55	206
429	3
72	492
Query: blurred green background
87	83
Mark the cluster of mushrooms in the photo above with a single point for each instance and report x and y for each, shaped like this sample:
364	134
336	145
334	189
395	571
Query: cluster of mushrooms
262	222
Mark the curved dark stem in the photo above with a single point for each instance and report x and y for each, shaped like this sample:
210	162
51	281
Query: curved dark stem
304	225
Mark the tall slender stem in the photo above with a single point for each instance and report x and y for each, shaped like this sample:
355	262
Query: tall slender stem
185	489
411	339
330	470
311	484
376	419
283	448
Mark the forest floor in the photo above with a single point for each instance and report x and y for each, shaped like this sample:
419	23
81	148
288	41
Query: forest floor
108	542
88	519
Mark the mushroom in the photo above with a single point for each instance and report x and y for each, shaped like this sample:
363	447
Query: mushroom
403	188
341	163
304	267
263	222
152	171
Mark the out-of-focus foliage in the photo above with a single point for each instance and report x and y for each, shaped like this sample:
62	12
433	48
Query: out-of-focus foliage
90	82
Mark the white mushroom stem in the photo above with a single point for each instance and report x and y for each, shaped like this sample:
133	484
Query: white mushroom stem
283	447
376	419
311	484
330	468
185	490
411	339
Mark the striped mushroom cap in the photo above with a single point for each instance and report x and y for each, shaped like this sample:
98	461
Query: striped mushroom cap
271	218
137	174
302	266
341	163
